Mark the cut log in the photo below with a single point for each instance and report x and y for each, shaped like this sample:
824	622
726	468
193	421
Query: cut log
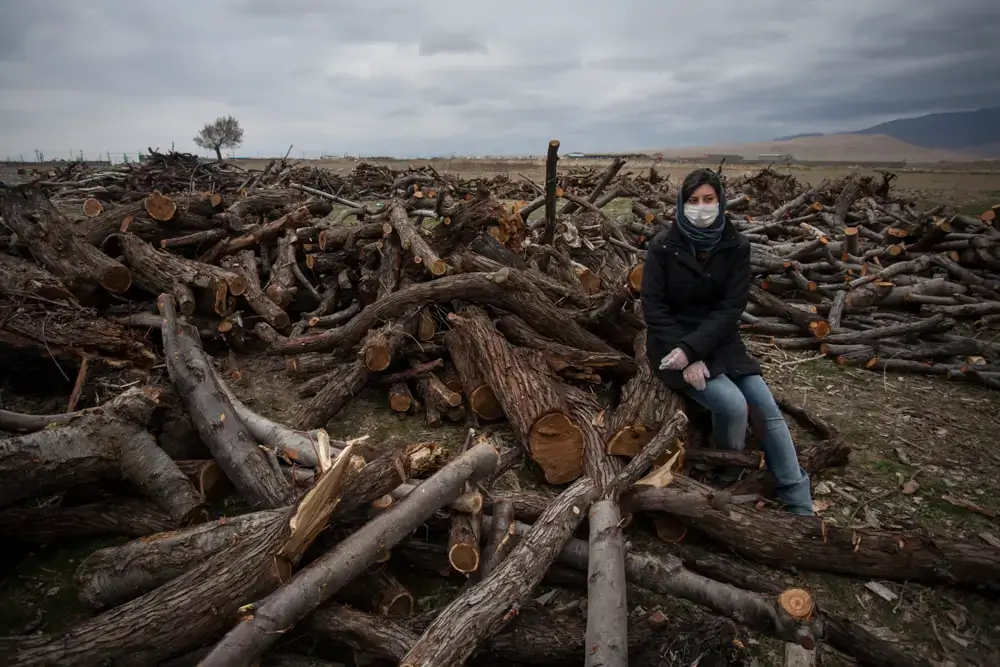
484	609
561	357
55	245
121	517
157	271
539	637
114	575
19	278
51	329
506	288
171	620
400	398
479	395
281	288
105	443
778	538
645	404
245	265
378	592
255	476
265	621
414	242
463	537
530	396
501	540
810	323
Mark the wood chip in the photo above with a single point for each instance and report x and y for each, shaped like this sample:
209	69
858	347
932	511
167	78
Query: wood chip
881	591
991	540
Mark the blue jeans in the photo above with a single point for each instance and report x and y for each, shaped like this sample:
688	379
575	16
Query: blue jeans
731	403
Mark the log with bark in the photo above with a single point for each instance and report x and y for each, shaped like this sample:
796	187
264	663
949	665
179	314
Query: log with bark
171	620
263	622
106	443
55	245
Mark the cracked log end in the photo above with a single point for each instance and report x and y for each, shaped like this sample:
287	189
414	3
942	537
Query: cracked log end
377	358
92	208
820	328
464	558
159	206
116	279
629	441
484	403
556	444
669	529
798	603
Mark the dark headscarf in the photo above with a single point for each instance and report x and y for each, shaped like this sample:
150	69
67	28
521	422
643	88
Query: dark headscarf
701	238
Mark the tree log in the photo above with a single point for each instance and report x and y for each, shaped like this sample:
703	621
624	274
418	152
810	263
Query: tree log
411	240
537	637
19	277
645	404
483	609
530	396
220	428
105	443
265	621
505	288
245	265
121	517
560	357
55	245
114	575
378	592
478	393
172	619
157	271
463	537
778	538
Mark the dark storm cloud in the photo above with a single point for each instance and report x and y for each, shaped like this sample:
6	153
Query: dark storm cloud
476	76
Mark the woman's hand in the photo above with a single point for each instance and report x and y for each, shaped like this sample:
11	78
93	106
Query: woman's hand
696	375
674	361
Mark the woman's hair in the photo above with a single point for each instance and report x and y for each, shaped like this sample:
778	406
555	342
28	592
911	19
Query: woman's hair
698	178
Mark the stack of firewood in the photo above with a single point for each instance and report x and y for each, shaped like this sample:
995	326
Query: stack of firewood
461	306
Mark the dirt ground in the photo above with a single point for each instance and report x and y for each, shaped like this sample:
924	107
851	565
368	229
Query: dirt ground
940	435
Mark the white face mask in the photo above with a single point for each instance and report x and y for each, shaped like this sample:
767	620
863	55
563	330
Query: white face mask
701	215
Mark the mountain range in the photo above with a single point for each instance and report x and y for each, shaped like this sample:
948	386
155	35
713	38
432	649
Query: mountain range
973	133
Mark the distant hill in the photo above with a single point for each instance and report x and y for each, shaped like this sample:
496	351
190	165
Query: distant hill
968	131
848	147
803	135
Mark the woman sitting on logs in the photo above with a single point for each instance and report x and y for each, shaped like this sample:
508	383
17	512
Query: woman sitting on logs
695	285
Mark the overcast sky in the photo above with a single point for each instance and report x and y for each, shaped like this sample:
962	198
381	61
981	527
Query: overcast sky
412	77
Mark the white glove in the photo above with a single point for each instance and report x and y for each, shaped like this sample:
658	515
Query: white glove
696	375
674	361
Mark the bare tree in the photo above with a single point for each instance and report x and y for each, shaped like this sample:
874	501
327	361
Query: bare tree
224	132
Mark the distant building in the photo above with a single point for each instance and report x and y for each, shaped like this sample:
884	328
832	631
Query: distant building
574	155
776	157
719	157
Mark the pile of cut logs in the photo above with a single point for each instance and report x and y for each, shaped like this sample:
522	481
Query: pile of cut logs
465	307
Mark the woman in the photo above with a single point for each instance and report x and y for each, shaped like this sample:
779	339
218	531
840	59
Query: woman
695	284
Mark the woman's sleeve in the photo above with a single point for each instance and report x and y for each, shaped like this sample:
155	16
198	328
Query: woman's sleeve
661	324
725	317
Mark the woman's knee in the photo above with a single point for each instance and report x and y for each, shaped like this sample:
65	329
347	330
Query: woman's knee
729	403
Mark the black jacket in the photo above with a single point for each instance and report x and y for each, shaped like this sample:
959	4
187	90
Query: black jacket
697	305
